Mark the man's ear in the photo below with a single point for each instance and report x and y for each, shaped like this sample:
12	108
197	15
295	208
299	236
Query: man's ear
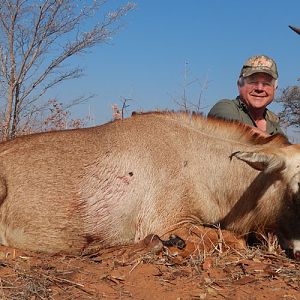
240	82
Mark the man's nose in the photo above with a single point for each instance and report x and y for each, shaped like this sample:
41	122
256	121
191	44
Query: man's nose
259	87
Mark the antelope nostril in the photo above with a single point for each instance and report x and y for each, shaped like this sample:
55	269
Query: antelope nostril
297	255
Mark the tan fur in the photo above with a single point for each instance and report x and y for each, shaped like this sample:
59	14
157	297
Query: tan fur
116	183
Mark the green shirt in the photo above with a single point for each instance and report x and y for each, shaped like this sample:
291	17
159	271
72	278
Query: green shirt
238	111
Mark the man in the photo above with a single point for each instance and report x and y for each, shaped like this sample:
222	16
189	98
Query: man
257	85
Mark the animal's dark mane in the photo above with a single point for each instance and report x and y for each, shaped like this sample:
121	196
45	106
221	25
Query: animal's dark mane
230	130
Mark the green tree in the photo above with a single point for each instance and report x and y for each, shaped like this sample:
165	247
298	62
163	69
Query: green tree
36	38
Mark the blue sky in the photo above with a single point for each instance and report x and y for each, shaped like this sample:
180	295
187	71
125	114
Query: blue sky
211	39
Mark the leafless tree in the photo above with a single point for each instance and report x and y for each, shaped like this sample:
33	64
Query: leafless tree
36	38
184	102
290	101
119	114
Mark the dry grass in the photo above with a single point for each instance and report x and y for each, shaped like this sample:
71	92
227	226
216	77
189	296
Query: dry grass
37	278
216	272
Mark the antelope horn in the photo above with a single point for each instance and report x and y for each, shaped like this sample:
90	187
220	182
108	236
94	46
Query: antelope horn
297	30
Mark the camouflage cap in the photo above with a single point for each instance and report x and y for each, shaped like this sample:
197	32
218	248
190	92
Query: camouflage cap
259	64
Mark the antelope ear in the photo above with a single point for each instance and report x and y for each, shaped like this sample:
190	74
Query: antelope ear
268	163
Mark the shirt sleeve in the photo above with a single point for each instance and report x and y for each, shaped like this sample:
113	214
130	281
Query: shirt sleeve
224	109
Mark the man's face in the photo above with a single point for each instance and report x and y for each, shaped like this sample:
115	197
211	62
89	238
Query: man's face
258	90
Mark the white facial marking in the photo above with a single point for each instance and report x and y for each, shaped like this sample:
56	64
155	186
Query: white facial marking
295	183
296	245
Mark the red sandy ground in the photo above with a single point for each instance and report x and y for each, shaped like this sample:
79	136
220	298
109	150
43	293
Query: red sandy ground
213	265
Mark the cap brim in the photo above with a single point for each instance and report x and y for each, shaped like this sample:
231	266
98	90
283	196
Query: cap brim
251	71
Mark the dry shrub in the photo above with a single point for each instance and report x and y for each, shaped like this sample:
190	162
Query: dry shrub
54	116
